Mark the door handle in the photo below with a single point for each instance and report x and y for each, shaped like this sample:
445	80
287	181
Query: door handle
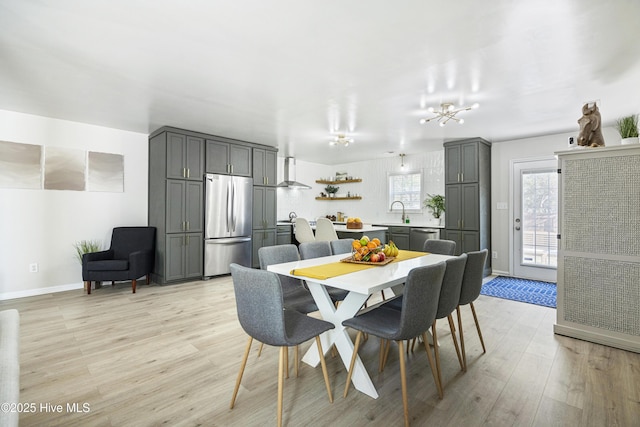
517	227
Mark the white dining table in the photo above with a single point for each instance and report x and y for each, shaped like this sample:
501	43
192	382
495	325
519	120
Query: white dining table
361	285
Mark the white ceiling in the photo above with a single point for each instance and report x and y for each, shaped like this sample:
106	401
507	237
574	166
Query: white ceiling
292	73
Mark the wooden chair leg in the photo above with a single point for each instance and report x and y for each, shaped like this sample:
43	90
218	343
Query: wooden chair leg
260	349
381	356
464	354
455	341
283	355
325	373
386	353
435	349
353	362
87	286
475	319
242	365
432	365
286	362
148	279
403	381
133	285
295	362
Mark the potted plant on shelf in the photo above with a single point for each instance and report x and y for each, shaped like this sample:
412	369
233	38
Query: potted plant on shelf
627	127
435	203
331	190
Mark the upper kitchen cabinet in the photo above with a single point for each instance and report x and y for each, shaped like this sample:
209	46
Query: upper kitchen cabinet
227	158
264	167
461	159
181	155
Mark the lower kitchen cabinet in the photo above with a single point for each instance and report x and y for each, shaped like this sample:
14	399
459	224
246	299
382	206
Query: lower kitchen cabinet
284	235
183	256
400	236
466	241
261	238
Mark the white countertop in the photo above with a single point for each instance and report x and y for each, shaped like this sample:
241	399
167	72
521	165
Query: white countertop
365	228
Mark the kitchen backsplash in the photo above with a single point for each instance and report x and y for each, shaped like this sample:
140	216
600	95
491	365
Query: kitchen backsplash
374	206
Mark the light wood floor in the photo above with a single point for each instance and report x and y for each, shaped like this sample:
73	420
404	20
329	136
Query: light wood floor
169	355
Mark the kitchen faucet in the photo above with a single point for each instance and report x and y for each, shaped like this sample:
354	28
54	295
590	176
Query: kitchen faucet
398	201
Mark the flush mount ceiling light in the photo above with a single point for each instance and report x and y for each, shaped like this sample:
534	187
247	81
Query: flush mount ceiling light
447	112
341	140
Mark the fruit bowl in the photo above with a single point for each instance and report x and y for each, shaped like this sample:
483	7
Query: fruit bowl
354	225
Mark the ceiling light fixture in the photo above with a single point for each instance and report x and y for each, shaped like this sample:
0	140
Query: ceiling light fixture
447	112
341	140
402	161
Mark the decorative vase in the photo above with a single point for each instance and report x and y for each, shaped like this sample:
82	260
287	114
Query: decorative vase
631	140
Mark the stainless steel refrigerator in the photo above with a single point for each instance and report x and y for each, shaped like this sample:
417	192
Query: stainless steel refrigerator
227	222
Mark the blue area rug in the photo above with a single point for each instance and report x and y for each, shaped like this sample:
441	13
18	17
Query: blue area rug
523	290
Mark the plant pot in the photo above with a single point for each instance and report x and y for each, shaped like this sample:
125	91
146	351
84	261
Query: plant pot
631	140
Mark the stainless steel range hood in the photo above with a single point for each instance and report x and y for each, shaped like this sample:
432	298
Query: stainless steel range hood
290	175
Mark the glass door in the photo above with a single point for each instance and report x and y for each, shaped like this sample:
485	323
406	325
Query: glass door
535	220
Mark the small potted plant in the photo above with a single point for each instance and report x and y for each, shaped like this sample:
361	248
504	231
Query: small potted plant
628	129
87	246
331	190
435	203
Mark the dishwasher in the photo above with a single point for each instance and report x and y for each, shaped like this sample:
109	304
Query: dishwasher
418	236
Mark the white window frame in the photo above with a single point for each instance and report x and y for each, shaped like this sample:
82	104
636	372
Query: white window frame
391	196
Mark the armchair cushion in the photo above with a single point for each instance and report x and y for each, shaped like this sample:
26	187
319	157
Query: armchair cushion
108	265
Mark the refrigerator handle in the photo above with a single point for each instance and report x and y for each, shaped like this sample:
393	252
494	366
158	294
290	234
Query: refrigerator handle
228	206
233	207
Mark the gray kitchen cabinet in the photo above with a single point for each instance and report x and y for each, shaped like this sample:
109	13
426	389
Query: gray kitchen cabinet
264	208
228	158
263	219
264	167
400	236
184	206
184	256
468	195
184	156
284	233
260	238
461	163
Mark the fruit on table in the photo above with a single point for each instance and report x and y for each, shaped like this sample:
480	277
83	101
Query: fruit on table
390	249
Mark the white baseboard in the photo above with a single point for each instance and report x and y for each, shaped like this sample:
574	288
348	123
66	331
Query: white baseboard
41	291
500	273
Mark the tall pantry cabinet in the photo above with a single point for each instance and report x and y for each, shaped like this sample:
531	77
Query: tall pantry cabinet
468	195
176	167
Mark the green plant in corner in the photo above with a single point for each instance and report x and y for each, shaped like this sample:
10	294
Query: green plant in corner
627	127
86	246
435	203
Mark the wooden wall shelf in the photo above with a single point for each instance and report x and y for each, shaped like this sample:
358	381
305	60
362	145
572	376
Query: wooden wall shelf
339	198
344	181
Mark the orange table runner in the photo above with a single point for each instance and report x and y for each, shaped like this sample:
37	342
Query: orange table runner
333	269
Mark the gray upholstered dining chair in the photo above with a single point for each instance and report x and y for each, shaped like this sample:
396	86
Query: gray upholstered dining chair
262	315
441	247
296	295
471	286
318	249
325	230
303	232
341	246
449	298
418	312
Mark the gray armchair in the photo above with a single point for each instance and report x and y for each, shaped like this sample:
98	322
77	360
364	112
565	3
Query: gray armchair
131	256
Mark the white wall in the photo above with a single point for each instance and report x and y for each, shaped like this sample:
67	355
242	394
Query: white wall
502	154
374	207
41	226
